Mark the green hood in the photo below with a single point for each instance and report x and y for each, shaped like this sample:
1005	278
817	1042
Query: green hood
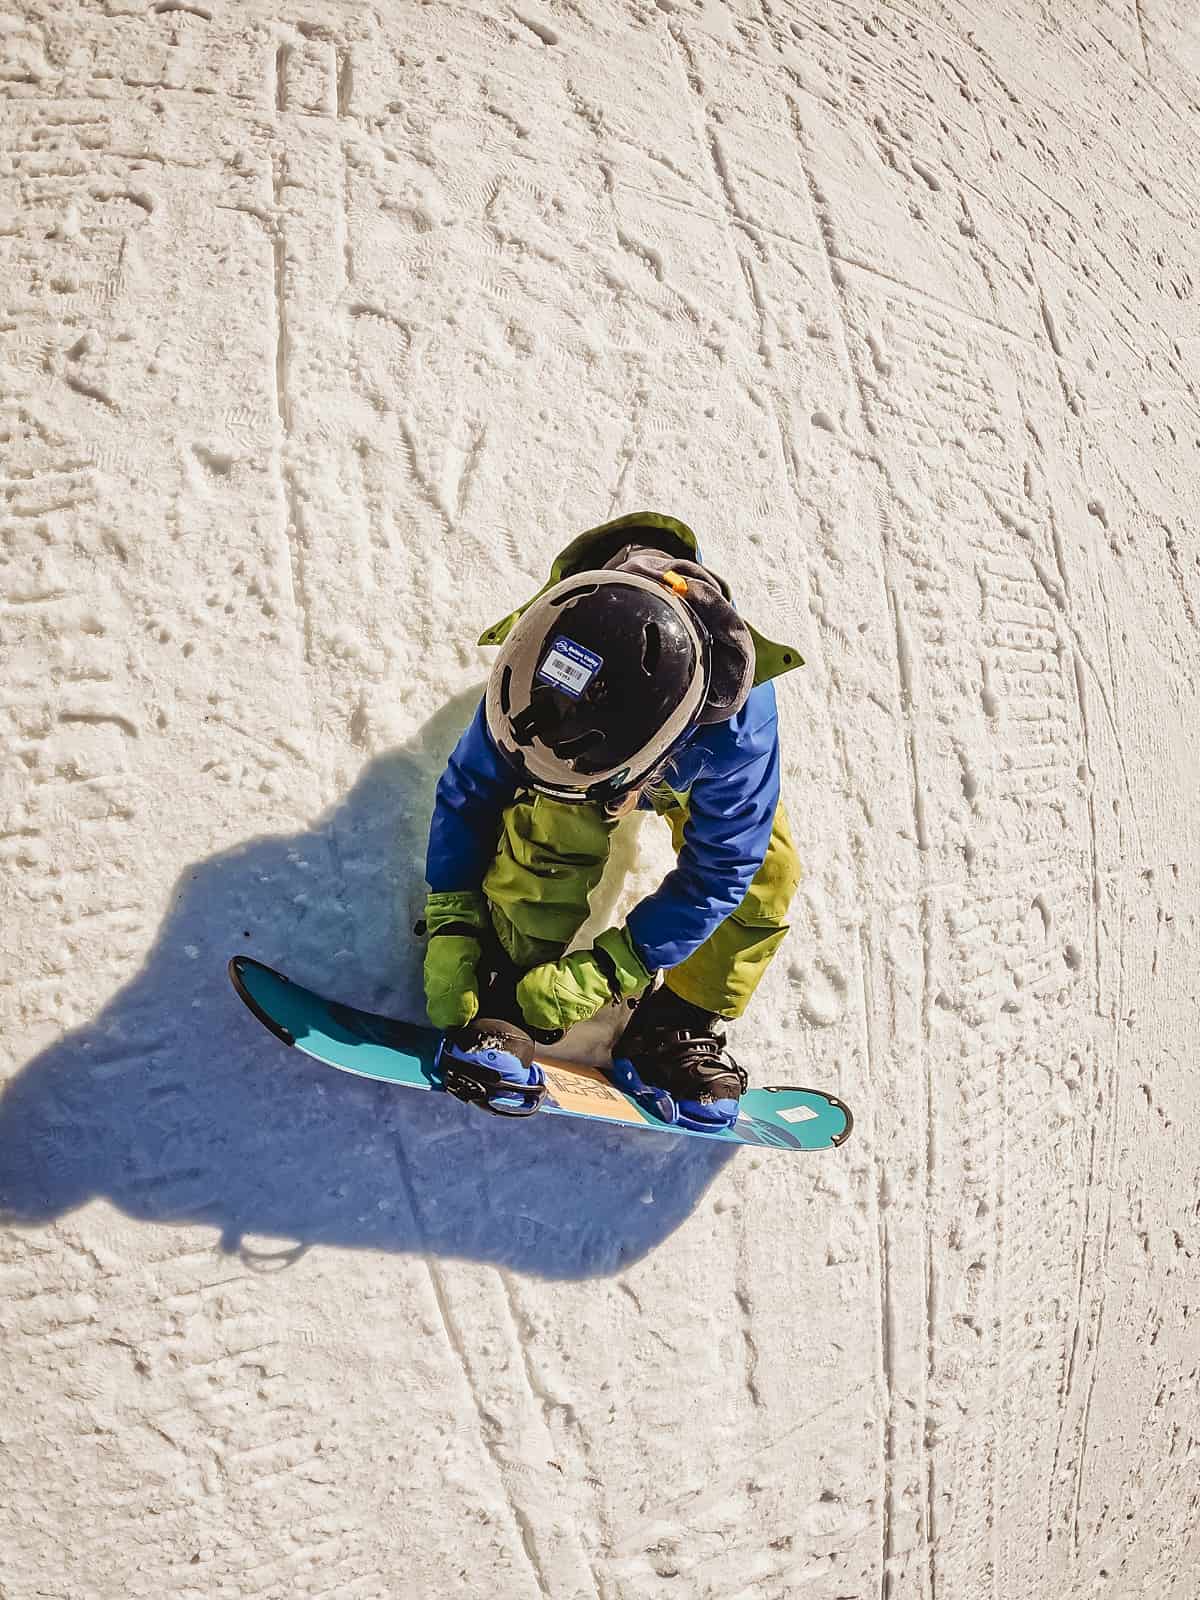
598	545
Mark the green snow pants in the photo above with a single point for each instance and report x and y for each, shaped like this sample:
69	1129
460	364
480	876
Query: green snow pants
549	858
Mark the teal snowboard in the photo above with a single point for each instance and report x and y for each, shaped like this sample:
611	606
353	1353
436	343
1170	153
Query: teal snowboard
404	1053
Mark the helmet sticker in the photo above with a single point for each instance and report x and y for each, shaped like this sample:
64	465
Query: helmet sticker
569	667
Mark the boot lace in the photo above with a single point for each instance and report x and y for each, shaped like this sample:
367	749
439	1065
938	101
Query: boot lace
688	1063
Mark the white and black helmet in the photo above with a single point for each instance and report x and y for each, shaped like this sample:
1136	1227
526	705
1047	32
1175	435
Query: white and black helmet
606	672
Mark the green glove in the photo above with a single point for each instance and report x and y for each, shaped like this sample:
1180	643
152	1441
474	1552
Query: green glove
562	993
455	921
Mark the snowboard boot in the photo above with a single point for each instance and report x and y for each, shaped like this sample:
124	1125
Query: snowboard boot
490	1063
679	1061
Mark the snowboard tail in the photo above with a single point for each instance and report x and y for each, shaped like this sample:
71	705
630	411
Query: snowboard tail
406	1053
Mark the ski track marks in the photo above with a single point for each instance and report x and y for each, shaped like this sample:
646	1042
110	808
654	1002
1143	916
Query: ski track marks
319	332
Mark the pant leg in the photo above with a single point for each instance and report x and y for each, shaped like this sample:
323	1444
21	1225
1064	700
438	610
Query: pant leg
549	858
724	972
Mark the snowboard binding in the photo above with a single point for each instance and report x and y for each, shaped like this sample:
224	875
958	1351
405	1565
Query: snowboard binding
673	1061
490	1064
700	1116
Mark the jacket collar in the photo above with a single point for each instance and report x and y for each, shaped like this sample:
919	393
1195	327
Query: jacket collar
597	545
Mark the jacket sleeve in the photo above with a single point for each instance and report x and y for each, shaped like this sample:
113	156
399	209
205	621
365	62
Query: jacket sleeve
471	795
731	811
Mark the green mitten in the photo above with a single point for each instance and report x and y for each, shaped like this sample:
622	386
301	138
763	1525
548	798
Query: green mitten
562	993
454	921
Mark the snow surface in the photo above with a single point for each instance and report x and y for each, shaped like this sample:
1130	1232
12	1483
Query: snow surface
321	327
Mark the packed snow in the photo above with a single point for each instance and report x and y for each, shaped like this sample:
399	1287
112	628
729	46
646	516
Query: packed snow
322	327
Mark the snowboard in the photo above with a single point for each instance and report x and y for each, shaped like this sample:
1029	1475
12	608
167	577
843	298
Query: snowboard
405	1053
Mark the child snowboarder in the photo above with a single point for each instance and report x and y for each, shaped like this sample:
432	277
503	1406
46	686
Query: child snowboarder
629	679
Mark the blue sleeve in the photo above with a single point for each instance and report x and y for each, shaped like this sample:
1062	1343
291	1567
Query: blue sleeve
471	794
731	811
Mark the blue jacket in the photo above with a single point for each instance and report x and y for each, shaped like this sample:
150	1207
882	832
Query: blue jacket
730	774
728	771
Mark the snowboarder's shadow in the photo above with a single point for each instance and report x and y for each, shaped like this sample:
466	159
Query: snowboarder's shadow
176	1106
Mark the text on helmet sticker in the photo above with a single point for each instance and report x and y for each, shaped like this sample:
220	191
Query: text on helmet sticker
569	667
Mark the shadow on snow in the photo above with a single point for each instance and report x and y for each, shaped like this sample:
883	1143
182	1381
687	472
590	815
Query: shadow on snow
177	1106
